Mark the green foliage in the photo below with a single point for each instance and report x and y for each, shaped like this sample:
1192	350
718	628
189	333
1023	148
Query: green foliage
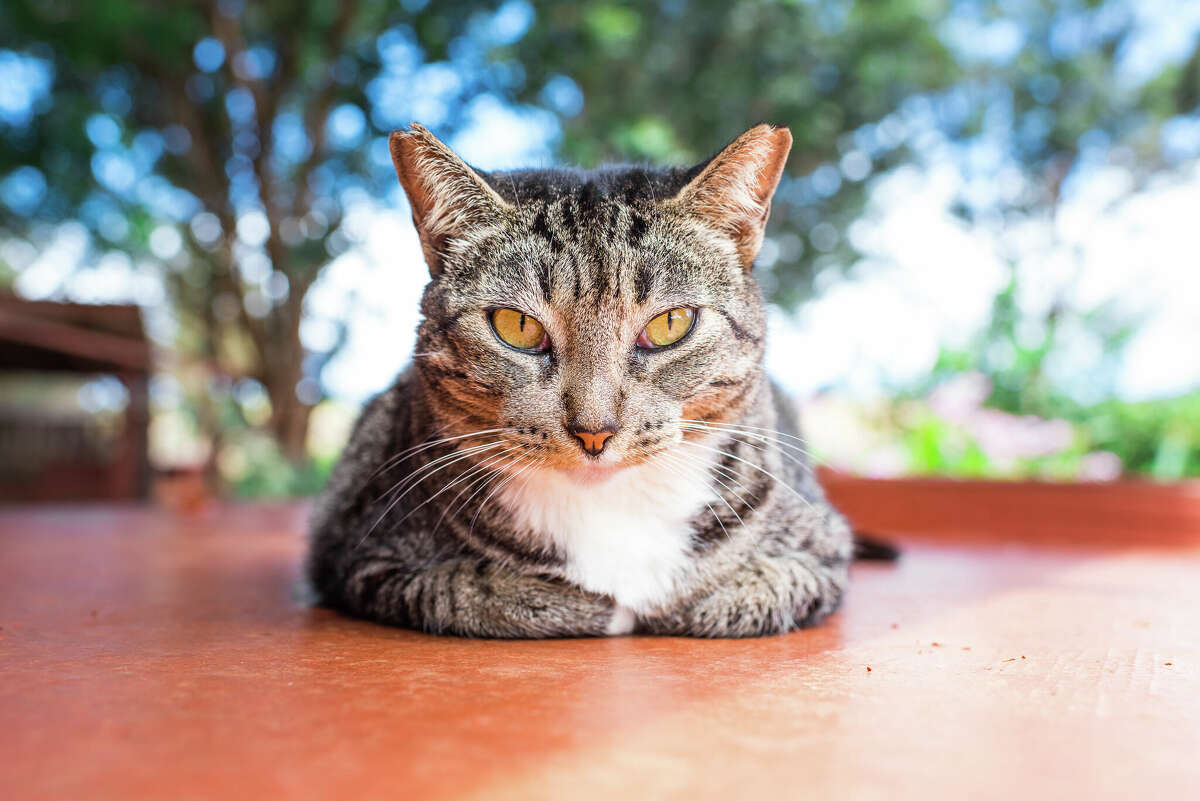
268	473
935	447
1156	438
1015	353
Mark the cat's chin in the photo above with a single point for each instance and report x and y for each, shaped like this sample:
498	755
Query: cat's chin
591	474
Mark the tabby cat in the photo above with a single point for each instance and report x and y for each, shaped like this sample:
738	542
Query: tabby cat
586	442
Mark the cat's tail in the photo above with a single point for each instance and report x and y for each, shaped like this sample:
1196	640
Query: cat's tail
871	547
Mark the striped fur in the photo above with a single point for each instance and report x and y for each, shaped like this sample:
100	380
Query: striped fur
697	519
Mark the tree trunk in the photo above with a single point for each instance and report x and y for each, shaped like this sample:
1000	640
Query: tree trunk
282	372
289	423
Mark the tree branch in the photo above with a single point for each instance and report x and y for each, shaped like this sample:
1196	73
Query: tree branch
318	110
207	165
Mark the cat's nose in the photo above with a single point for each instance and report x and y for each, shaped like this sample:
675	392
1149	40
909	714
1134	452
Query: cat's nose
592	441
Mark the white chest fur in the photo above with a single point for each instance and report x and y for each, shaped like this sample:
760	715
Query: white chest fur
628	537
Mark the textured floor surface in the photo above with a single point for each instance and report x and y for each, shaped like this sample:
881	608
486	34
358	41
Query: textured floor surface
1033	642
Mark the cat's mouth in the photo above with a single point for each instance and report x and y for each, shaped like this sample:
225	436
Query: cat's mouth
592	473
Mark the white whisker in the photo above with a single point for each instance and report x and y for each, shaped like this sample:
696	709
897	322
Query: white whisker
682	457
760	432
499	487
719	521
775	431
433	466
415	449
446	461
763	438
493	458
760	442
765	472
478	485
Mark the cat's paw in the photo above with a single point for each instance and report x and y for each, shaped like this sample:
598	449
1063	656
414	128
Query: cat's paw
529	606
765	596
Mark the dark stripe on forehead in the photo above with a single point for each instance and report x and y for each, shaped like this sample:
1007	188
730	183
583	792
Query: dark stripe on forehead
635	186
612	214
589	199
618	279
637	228
568	217
599	277
544	281
643	282
577	274
541	227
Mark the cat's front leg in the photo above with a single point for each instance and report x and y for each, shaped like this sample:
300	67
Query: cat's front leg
762	595
475	598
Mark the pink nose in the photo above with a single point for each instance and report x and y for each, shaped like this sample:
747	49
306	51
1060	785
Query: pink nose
592	441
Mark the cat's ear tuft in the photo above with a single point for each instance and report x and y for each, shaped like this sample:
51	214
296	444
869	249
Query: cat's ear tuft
733	191
447	197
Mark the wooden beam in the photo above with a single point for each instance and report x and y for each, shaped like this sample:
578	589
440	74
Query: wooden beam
111	350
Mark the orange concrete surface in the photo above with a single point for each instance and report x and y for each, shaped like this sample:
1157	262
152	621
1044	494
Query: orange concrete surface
1032	643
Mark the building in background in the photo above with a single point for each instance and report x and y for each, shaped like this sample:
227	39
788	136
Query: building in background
74	410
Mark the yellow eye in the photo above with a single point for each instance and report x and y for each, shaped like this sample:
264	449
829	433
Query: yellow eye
519	330
667	328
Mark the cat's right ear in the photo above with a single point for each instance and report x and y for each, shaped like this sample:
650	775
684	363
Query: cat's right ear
448	198
732	193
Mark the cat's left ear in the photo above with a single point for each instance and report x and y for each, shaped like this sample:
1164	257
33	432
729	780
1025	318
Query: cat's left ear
733	192
447	197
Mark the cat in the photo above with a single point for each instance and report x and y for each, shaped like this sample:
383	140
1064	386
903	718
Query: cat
586	443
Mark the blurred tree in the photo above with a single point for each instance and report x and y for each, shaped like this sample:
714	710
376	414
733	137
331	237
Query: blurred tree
1013	94
675	81
227	139
241	128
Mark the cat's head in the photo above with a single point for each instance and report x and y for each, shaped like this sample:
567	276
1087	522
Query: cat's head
590	315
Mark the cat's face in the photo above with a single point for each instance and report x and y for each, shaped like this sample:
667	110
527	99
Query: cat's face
590	316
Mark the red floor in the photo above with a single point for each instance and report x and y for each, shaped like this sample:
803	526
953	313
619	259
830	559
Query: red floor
1033	643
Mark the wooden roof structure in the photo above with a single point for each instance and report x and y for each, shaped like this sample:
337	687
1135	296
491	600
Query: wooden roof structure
71	337
44	459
